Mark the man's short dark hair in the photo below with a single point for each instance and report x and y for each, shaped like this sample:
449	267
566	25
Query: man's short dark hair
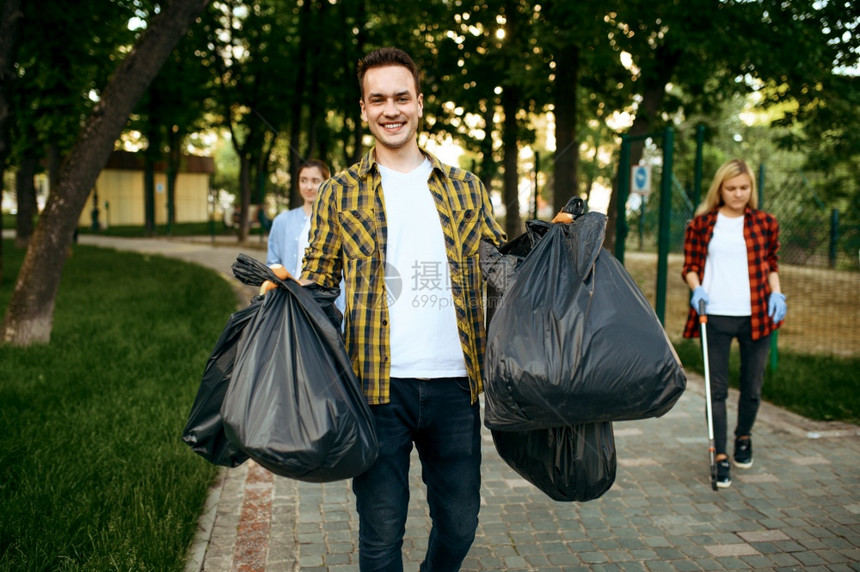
387	57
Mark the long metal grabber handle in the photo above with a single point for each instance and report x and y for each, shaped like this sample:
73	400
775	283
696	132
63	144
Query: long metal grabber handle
703	321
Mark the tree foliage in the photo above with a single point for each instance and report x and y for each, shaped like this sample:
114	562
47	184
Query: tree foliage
279	77
29	316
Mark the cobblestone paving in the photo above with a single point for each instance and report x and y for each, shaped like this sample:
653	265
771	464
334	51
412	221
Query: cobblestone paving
797	508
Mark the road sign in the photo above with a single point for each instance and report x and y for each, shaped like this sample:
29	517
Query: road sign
640	179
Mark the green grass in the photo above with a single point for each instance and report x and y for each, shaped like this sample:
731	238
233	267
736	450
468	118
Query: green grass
818	387
93	473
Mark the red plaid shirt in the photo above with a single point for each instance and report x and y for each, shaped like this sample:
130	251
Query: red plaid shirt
761	234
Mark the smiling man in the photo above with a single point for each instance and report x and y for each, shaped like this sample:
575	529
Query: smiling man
404	229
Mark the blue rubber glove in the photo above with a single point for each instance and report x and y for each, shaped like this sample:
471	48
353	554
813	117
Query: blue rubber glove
698	294
776	307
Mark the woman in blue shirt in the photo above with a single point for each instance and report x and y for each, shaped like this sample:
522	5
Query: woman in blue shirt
287	228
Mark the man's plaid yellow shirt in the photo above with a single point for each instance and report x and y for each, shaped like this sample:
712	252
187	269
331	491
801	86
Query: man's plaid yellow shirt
349	233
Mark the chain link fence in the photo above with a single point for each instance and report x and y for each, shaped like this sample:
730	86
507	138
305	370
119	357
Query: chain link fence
819	261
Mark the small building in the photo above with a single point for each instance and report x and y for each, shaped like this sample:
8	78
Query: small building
119	191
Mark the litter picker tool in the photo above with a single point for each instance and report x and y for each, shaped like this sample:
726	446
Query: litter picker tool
703	321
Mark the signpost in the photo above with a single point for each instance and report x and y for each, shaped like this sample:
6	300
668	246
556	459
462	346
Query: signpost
637	178
640	177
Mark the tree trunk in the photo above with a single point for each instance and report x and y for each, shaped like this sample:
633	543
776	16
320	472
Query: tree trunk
295	157
324	149
646	116
30	314
317	128
354	112
25	193
10	15
151	155
652	99
53	159
245	192
488	160
298	105
566	141
148	195
589	185
642	124
262	176
174	162
316	113
510	143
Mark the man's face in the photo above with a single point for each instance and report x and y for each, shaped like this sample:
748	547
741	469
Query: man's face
390	105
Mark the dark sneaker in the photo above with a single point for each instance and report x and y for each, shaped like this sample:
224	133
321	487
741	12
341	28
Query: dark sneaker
724	478
743	453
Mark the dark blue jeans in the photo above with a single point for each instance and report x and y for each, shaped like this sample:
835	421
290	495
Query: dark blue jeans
721	331
437	416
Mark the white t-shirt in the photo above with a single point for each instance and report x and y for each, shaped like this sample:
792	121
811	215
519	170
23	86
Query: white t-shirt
727	279
423	326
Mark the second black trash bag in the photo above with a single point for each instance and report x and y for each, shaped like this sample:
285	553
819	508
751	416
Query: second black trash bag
294	404
573	340
204	431
567	463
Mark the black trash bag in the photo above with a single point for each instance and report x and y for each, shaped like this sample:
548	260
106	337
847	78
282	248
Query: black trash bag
572	340
575	463
294	404
204	432
499	264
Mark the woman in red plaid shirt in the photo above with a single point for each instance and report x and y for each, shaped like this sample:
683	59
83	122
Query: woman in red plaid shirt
730	263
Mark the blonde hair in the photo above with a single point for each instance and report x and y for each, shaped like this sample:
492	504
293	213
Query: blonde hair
727	170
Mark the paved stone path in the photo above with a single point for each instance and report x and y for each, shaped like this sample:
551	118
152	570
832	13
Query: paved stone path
797	508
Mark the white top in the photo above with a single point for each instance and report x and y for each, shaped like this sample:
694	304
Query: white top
727	279
283	237
301	244
423	326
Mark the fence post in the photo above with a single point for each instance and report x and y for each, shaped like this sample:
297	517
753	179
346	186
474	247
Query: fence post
665	222
623	193
697	175
774	351
834	236
537	188
774	336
